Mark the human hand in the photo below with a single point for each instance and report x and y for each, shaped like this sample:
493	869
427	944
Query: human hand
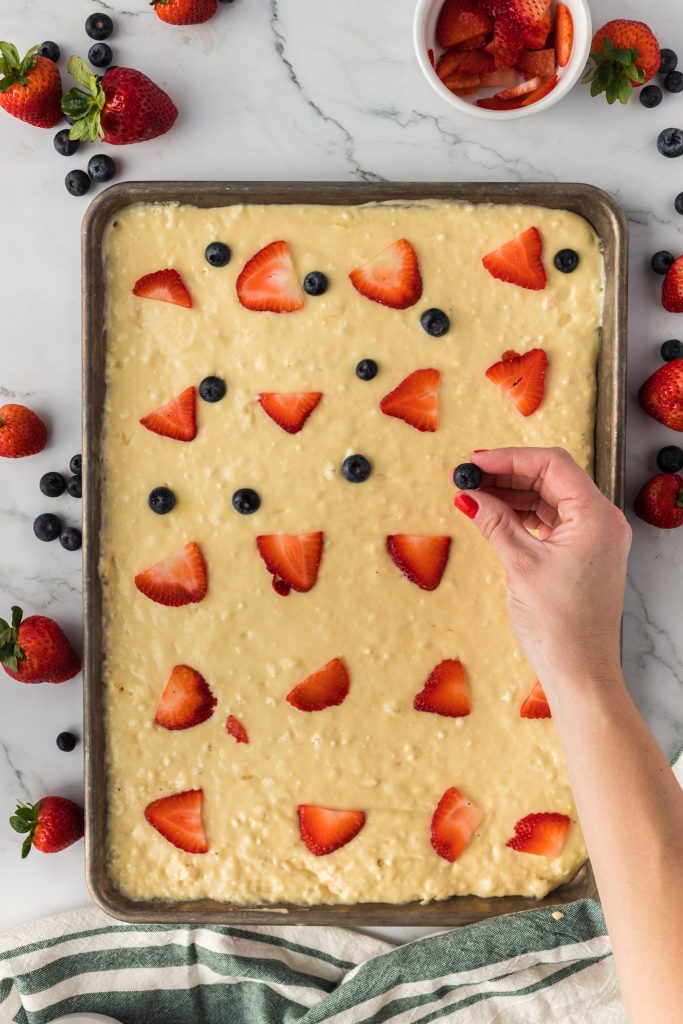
565	585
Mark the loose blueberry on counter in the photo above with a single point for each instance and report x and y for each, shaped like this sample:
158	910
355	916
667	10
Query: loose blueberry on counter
356	469
315	283
467	476
50	50
161	500
670	459
367	369
99	26
101	167
100	55
217	254
651	96
76	463
678	203
669	62
662	261
52	484
670	142
245	501
435	322
66	741
674	82
64	145
74	486
671	349
47	526
212	389
70	538
77	183
566	261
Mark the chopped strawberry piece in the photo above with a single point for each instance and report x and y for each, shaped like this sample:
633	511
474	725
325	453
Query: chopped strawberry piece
521	379
463	83
445	691
537	63
476	62
475	43
290	410
421	559
522	89
164	285
186	701
325	688
179	579
177	419
449	63
536	704
294	558
392	277
543	834
235	729
430	56
672	287
268	281
179	819
508	42
454	822
564	34
504	76
519	261
324	830
415	400
495	103
536	36
460	20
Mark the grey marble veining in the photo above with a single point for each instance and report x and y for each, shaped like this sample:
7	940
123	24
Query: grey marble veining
290	89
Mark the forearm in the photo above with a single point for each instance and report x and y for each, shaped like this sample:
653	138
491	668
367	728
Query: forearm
631	812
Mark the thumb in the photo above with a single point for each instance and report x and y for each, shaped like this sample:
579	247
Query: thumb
497	522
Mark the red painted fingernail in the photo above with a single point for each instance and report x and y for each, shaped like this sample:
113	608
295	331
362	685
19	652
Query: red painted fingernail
466	503
478	451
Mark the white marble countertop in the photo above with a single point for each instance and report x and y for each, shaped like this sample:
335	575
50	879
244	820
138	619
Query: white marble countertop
290	89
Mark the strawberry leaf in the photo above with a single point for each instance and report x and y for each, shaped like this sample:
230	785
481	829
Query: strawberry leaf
79	70
17	614
10	56
625	90
26	847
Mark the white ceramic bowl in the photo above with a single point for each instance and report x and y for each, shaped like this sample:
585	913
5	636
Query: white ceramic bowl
424	38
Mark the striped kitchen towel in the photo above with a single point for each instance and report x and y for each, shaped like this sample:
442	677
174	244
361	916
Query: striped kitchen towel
540	967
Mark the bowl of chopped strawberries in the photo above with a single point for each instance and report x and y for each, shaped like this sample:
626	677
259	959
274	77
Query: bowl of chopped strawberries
499	59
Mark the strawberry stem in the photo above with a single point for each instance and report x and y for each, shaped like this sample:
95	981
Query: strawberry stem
24	821
10	650
615	72
13	67
84	106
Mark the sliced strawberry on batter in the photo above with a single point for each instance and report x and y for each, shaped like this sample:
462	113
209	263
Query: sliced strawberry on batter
235	729
181	578
268	281
325	688
421	559
519	261
564	34
179	819
177	419
543	834
186	701
521	379
290	410
454	822
415	400
294	558
445	691
324	830
164	285
392	277
535	704
460	20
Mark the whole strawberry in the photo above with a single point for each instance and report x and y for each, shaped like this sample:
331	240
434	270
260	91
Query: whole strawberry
660	501
50	825
661	396
31	88
36	650
626	54
122	107
672	287
21	432
184	12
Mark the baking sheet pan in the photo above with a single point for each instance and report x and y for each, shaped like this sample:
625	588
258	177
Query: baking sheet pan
603	213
